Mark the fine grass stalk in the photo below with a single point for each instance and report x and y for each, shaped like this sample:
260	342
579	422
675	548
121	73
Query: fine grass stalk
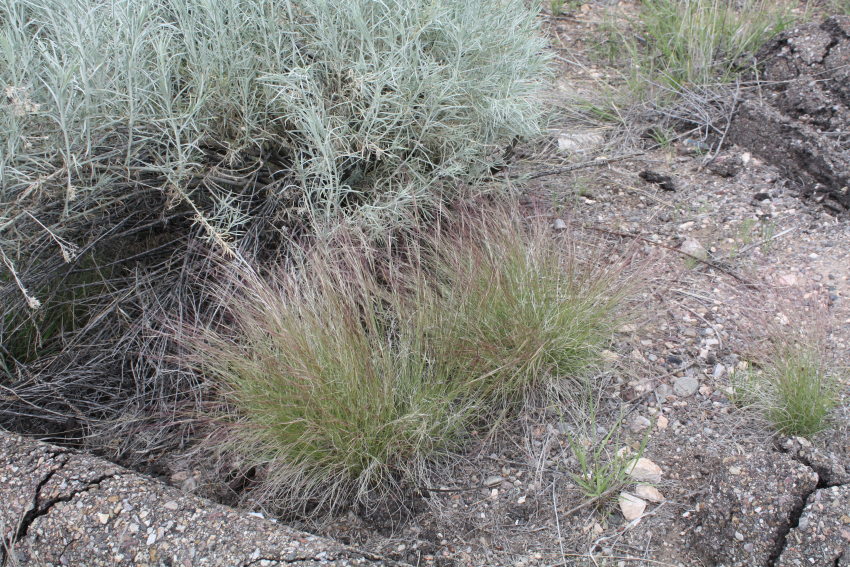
800	391
515	306
344	375
328	382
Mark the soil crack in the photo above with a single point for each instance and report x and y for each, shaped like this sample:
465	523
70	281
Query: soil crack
796	512
38	509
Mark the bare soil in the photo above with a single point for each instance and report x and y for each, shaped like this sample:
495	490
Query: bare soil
776	261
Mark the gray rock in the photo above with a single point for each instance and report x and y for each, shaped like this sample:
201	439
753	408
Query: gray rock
661	393
692	247
685	386
639	423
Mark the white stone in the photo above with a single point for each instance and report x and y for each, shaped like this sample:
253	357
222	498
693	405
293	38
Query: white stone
631	506
644	470
579	142
692	247
649	492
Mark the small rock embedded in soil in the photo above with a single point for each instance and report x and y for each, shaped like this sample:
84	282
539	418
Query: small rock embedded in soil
631	506
579	142
692	247
685	386
726	166
649	492
664	181
639	423
644	470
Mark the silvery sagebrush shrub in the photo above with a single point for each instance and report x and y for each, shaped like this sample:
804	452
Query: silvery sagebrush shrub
370	102
132	131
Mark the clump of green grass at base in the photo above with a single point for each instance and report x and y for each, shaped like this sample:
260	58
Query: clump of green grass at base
794	389
330	383
801	393
676	45
514	306
348	374
603	465
701	41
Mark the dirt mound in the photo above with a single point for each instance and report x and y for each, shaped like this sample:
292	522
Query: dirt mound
799	116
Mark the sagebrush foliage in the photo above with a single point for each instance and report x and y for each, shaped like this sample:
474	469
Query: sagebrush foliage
369	102
136	134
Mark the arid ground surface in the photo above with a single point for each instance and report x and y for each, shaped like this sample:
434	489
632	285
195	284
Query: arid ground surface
731	491
731	246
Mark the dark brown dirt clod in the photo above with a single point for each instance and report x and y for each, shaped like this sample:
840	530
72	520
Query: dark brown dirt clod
799	117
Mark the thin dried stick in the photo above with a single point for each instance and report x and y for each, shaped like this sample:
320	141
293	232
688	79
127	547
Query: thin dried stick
708	263
580	165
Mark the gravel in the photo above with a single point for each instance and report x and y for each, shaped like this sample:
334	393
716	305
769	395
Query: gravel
67	508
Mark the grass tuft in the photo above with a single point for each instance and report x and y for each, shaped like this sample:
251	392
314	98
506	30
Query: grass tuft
345	374
800	391
329	381
699	42
516	306
793	388
682	62
692	44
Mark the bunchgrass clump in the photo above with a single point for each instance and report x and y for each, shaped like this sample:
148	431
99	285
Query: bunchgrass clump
745	387
328	381
678	65
515	306
345	374
793	388
800	391
691	43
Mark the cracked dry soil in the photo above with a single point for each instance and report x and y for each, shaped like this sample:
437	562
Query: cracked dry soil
62	507
769	210
771	215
